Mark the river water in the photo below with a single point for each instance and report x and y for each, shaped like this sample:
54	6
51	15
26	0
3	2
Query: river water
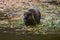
15	36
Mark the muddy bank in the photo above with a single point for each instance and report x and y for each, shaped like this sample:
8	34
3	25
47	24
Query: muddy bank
19	34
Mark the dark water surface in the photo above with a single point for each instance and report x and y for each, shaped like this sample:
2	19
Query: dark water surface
14	36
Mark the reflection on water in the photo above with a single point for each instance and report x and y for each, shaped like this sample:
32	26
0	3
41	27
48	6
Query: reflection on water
14	36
